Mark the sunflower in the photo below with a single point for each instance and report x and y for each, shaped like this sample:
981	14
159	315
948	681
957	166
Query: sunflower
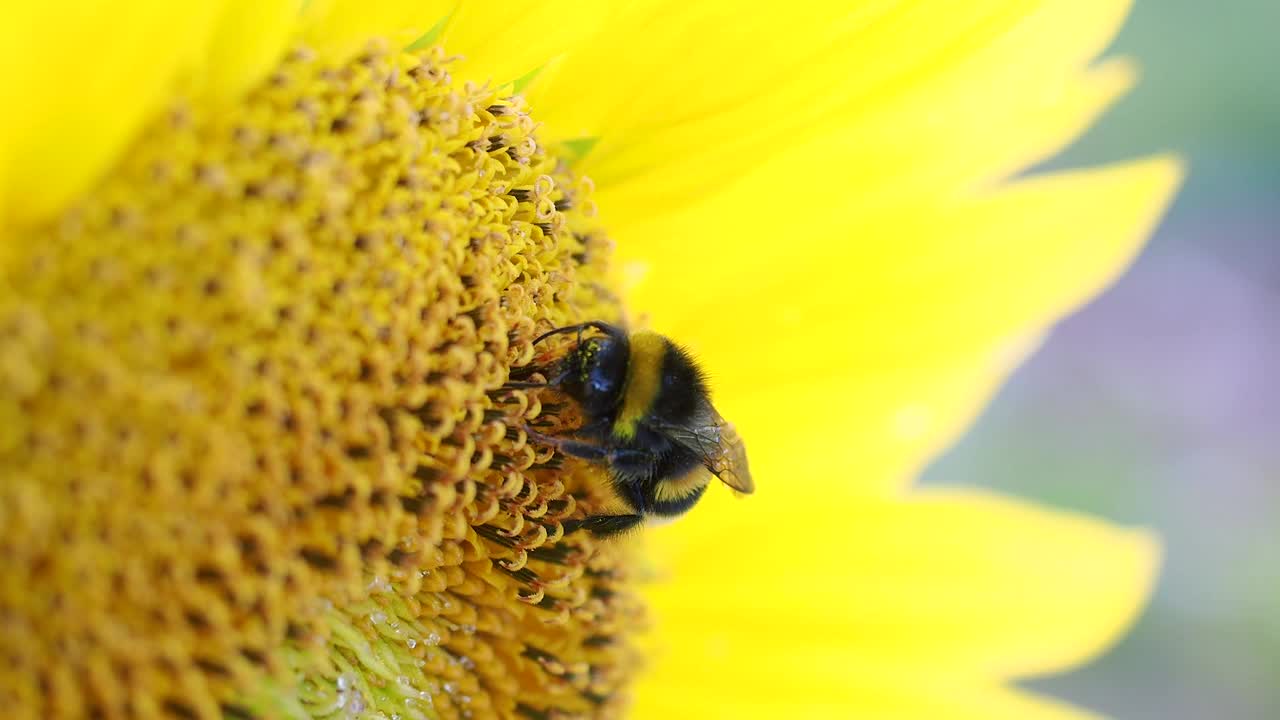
267	270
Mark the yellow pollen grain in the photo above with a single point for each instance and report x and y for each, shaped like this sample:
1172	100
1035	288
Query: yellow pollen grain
256	459
644	378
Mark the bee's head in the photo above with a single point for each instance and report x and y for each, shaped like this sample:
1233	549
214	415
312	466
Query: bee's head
595	371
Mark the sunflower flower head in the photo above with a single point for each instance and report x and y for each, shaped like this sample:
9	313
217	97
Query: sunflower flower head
266	356
268	442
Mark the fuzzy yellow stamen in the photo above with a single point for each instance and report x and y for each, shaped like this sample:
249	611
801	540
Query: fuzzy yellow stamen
258	457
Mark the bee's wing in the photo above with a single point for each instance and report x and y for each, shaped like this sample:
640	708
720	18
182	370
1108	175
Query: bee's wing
721	448
731	466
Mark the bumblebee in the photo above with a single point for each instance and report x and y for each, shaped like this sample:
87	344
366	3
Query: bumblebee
648	417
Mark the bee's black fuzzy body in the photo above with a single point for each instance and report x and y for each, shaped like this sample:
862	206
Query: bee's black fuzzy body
649	417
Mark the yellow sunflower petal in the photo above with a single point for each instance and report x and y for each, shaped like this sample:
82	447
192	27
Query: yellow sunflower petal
929	145
865	432
339	28
490	49
802	695
78	79
247	41
676	124
908	285
953	583
522	42
862	358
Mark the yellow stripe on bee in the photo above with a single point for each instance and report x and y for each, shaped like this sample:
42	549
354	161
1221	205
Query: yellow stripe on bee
672	489
644	378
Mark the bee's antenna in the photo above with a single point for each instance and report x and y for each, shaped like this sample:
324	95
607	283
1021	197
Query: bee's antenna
603	327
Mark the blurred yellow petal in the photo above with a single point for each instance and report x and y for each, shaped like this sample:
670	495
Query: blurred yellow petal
890	154
800	695
982	270
340	28
77	80
1085	225
909	284
247	41
867	431
944	583
491	47
673	125
533	34
881	356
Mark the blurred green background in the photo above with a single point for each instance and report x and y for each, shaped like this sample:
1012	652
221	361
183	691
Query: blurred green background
1159	404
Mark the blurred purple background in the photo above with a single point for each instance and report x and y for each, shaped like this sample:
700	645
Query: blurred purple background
1159	403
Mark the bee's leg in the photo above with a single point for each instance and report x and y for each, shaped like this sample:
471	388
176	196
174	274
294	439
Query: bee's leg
603	526
616	457
600	525
570	446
